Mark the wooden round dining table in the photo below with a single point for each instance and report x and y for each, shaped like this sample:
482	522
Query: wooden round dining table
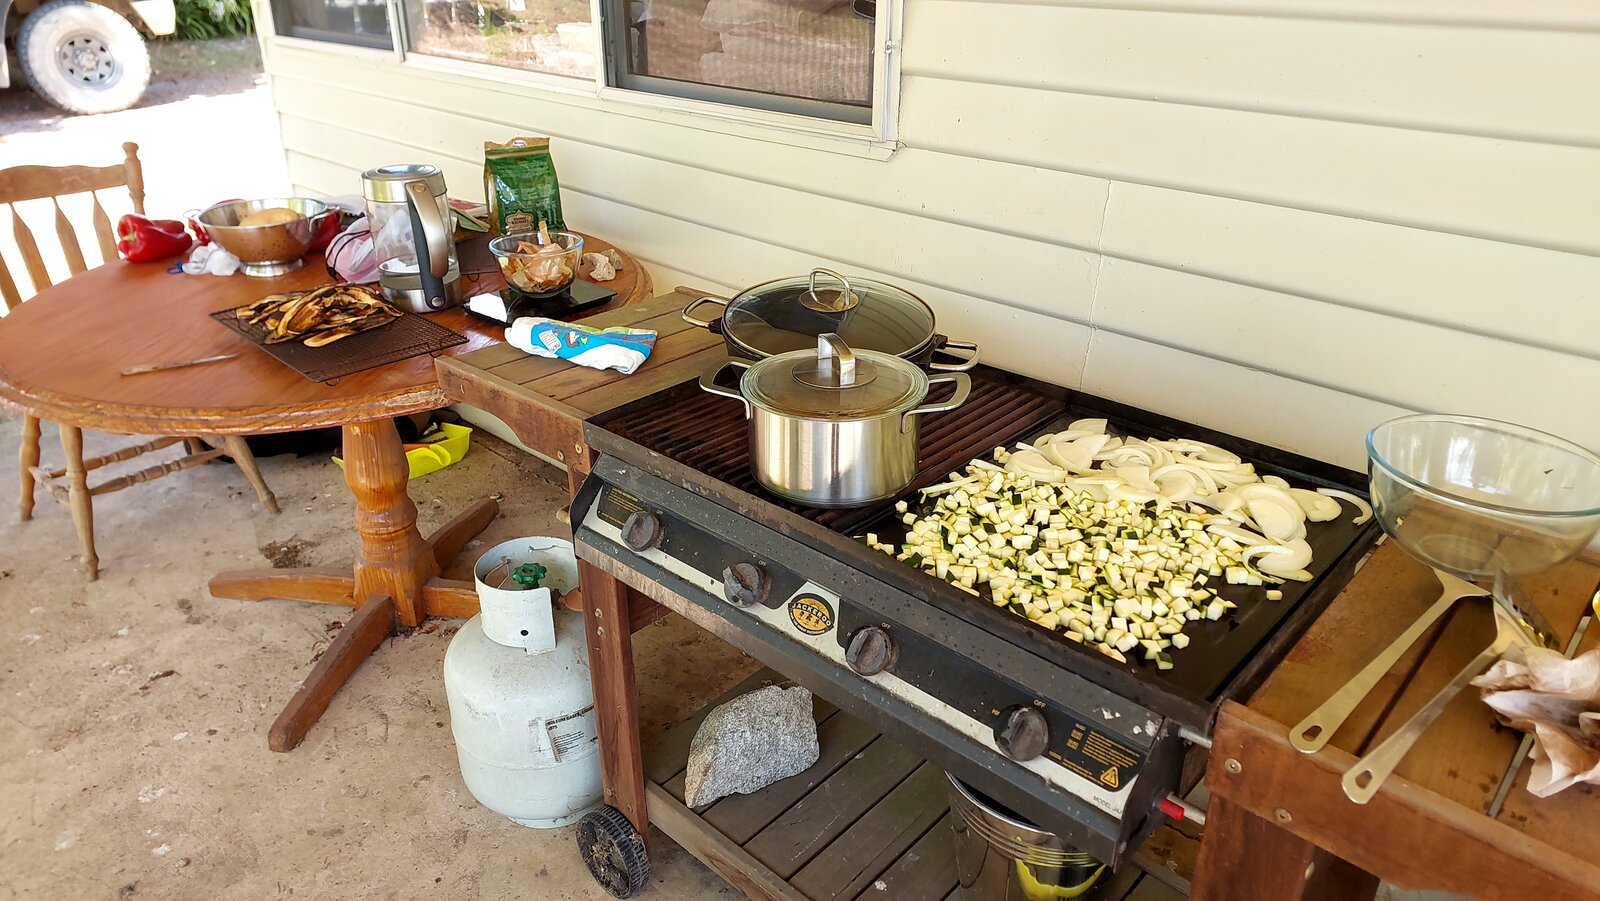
62	355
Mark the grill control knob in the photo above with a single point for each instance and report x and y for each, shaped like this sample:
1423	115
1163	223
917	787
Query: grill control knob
871	651
1022	733
745	585
642	531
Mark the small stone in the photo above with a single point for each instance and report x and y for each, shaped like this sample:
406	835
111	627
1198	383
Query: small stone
180	736
183	861
751	742
120	633
161	850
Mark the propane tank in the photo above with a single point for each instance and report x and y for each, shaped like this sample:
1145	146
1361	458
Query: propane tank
517	680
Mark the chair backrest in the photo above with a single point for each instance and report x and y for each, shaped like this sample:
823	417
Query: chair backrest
22	183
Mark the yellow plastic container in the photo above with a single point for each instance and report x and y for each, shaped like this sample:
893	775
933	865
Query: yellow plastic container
442	449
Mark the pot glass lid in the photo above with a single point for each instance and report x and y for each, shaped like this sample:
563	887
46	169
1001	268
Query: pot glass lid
832	381
788	315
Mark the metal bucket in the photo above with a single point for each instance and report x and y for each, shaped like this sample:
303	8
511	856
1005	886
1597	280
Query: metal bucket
1000	857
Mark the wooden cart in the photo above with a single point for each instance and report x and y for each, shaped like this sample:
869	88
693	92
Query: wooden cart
869	813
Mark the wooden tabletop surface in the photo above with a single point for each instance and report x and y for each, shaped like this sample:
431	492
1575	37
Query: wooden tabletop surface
1452	774
62	352
545	401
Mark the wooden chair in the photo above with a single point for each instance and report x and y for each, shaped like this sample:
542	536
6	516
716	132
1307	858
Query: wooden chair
23	183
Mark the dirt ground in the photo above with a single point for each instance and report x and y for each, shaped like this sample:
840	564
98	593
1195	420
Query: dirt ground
133	757
206	131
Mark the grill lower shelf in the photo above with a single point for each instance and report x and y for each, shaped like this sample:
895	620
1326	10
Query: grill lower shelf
868	821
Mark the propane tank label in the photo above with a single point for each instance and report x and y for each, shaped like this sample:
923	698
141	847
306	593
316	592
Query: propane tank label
570	735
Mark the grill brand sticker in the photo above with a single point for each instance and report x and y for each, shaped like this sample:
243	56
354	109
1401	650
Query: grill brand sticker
810	614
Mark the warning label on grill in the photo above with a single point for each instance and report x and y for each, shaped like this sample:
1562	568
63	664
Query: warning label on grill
617	505
1098	757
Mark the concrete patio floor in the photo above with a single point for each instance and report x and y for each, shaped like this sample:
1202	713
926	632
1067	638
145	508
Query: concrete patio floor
133	757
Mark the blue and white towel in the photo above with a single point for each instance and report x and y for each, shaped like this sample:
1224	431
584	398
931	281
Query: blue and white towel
619	348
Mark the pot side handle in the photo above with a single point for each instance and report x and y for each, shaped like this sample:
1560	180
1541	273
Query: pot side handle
955	349
708	382
963	383
699	302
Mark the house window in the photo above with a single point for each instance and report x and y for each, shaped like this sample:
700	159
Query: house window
808	57
361	22
554	36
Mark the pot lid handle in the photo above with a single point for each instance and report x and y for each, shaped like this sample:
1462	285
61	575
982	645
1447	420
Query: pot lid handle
835	366
835	356
829	301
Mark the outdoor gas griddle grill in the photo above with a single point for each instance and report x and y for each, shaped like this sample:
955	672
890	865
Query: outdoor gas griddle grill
1069	739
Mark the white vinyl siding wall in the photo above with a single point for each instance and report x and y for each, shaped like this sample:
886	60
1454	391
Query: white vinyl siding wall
1288	220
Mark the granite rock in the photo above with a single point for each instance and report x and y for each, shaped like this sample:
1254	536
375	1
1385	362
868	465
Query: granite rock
751	742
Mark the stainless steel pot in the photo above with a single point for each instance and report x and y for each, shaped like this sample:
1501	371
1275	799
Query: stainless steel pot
832	427
788	314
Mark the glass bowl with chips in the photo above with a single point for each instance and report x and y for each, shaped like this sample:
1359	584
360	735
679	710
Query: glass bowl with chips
539	263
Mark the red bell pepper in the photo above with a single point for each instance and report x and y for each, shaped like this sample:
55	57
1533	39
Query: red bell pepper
326	230
200	236
142	240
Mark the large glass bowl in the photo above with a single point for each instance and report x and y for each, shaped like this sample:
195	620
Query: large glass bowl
1480	498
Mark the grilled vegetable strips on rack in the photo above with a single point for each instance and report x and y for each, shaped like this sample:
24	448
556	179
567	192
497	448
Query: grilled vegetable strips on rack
321	316
1114	541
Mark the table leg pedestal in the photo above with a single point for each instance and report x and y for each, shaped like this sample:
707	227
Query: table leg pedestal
395	582
367	629
394	559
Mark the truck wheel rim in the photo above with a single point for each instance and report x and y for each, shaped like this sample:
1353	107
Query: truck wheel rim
86	61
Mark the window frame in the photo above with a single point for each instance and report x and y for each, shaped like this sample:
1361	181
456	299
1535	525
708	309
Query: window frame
874	139
614	33
284	28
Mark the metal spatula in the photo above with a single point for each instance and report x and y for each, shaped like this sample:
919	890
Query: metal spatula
1363	780
1313	732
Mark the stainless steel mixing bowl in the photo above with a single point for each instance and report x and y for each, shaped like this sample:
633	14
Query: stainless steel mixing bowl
1480	498
266	250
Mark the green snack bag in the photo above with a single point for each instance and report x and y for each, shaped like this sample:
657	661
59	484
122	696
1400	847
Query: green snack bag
519	181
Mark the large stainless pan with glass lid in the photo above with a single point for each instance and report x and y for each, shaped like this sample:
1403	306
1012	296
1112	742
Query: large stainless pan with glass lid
788	314
832	427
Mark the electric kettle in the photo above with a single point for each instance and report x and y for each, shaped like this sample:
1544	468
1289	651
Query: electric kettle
413	236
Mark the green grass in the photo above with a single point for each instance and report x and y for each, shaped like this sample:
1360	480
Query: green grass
173	57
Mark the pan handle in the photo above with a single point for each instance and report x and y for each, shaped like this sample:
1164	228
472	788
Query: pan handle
963	383
708	382
961	365
703	323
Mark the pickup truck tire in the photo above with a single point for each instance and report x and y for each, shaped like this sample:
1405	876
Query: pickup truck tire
83	57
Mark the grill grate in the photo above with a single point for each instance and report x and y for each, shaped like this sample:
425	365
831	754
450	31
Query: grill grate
409	336
708	433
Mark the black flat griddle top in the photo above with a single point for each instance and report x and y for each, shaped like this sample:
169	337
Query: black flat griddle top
706	436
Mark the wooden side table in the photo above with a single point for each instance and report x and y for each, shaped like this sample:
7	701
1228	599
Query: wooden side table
1280	825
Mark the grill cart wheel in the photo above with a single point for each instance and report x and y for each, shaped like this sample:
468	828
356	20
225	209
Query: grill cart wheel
614	852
